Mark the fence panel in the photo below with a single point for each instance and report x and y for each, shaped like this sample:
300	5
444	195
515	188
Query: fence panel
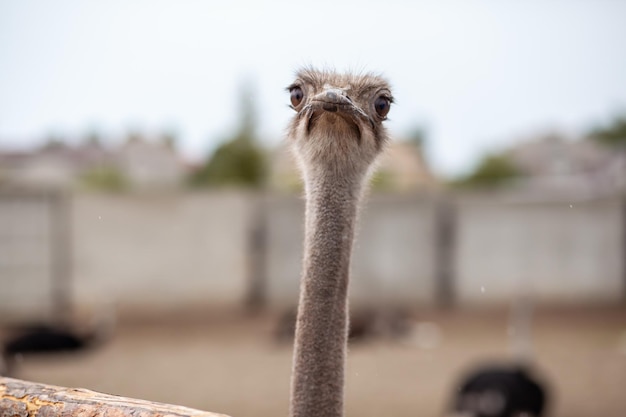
558	251
34	255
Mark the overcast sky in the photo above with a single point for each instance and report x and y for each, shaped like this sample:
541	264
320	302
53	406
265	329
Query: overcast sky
477	74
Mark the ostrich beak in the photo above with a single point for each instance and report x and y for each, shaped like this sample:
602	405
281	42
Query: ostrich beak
335	99
331	99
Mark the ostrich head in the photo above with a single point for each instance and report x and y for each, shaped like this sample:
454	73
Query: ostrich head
338	126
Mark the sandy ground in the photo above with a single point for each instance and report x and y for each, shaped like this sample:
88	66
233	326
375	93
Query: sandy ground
231	364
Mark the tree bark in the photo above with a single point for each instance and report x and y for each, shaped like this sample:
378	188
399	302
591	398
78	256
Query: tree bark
28	399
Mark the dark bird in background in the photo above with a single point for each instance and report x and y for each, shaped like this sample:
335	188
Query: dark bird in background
49	339
500	391
508	389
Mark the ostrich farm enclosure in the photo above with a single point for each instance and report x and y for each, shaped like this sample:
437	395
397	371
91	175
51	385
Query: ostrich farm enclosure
231	363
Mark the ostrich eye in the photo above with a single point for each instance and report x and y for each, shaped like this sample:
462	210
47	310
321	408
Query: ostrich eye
382	106
296	96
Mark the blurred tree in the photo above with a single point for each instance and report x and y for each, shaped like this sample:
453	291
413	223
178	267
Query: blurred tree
169	139
93	139
614	134
53	142
492	170
104	178
381	180
239	160
417	136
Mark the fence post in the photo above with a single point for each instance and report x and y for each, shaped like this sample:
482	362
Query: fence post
257	255
445	240
624	248
60	217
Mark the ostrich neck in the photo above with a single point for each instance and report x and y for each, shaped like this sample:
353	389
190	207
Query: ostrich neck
321	330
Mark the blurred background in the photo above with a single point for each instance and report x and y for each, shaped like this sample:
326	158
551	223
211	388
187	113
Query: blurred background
150	208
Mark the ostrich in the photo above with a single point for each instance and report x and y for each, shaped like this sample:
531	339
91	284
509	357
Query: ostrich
336	134
54	338
501	390
506	389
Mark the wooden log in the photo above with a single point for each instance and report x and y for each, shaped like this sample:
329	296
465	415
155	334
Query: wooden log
28	399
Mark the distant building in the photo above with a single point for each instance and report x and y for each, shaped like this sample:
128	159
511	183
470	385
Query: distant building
402	168
555	164
142	164
405	167
150	165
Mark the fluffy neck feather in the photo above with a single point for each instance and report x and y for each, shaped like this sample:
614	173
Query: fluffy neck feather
321	330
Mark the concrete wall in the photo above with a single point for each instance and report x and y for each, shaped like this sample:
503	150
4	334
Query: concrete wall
560	251
26	255
162	252
193	250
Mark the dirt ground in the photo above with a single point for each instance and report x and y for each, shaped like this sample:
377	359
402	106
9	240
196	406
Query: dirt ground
231	364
